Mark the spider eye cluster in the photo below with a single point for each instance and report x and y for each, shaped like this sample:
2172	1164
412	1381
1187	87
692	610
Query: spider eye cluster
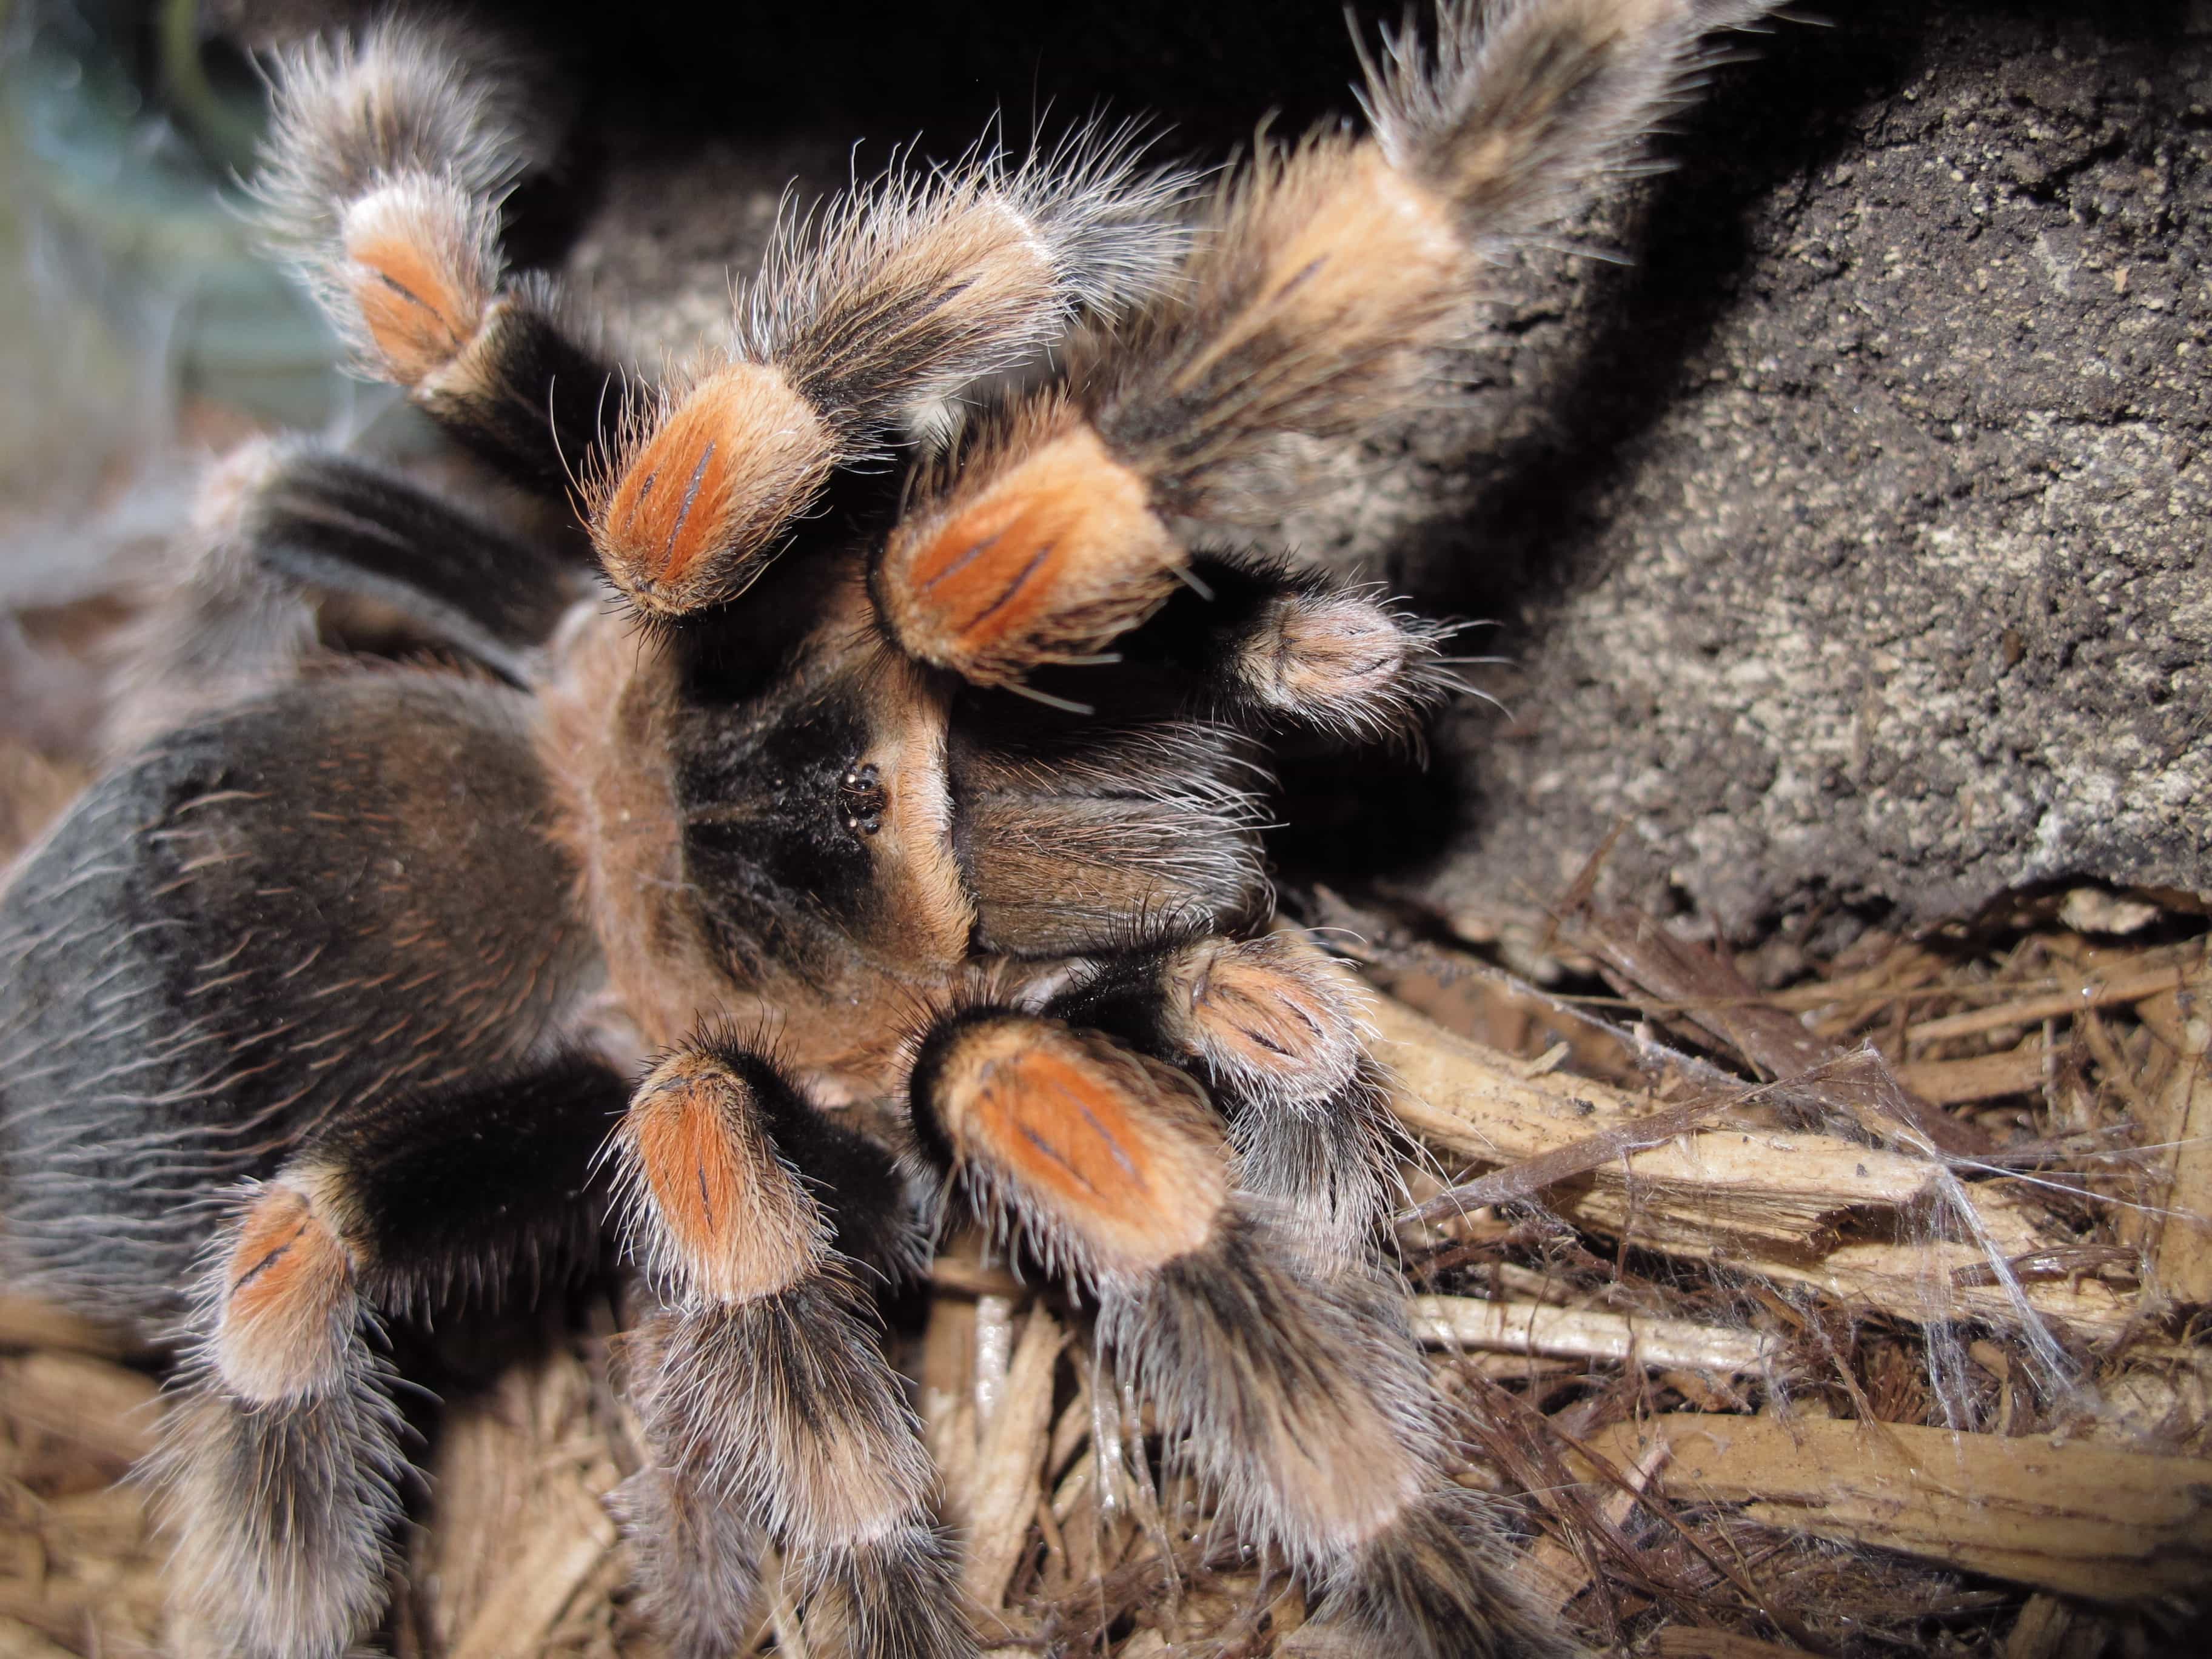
862	799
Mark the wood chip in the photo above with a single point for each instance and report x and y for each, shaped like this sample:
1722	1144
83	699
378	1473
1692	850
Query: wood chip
1688	1642
2039	1632
1766	1199
2028	1011
19	1641
1985	1077
2178	1122
1557	1574
27	1321
102	1407
1008	1485
1647	963
518	1463
2075	1518
527	1601
1535	1328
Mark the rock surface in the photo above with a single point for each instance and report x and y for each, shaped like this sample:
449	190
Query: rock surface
1852	543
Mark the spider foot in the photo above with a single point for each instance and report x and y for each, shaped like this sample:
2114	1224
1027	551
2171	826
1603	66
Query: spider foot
280	1447
1300	1398
388	158
761	1384
1295	647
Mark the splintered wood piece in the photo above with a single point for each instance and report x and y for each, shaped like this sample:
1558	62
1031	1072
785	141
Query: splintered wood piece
27	1321
1648	964
568	1544
1588	1333
1768	1201
2178	1125
19	1640
1559	1574
2039	1632
98	1405
1983	1077
947	1400
2073	1517
1686	1642
2056	1004
1008	1479
522	1465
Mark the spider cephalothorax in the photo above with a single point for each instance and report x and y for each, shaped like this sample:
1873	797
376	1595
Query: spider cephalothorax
906	857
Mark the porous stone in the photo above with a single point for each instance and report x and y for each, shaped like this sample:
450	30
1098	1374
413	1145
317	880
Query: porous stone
1851	542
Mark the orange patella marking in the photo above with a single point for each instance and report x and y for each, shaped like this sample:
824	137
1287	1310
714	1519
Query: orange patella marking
699	504
1062	546
1104	1142
286	1283
740	1224
417	309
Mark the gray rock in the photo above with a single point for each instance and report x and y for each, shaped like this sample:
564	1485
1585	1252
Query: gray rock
1852	543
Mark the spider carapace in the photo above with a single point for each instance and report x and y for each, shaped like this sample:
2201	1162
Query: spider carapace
886	851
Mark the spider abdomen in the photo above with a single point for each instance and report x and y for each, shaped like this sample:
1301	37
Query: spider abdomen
340	890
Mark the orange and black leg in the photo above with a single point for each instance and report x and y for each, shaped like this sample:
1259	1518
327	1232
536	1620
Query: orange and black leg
867	321
293	546
1299	1396
280	1458
762	1383
388	160
1322	279
1271	1027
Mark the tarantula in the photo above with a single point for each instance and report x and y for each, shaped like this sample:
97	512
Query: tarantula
904	863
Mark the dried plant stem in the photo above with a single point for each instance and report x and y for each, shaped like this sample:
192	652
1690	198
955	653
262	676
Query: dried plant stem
2072	1516
1534	1328
2177	1119
1770	1201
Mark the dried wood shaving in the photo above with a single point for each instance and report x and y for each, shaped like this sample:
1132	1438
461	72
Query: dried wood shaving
1761	1297
2070	1516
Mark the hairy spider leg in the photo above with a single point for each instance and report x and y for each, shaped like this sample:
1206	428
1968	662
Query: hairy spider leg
761	1380
280	1460
1273	1028
1301	1400
866	318
388	159
1321	281
283	525
1286	647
